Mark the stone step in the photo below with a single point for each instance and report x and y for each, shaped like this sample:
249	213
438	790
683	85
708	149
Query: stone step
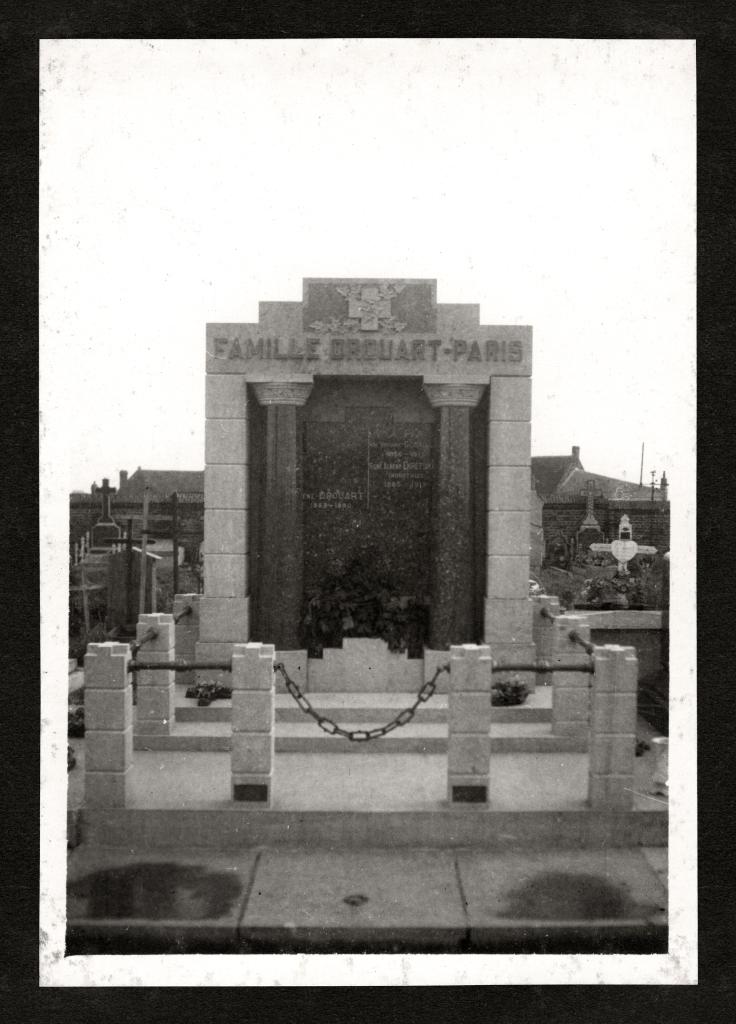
359	707
421	738
232	826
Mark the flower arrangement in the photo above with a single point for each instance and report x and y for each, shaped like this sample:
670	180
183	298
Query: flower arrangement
363	600
509	692
205	693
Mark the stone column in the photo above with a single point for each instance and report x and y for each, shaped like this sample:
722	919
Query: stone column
186	633
508	626
571	693
281	586
224	607
108	714
543	633
251	757
155	690
452	570
613	728
469	725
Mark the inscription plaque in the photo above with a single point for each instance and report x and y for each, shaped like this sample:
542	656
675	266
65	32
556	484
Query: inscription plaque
367	492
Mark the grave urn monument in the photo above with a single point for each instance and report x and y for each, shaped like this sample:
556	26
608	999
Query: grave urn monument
367	425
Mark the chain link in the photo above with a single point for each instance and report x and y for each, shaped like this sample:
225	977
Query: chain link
360	735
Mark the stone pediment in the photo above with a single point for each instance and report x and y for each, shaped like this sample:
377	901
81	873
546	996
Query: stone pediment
369	326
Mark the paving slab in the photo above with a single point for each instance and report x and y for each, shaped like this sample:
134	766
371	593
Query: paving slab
175	900
372	901
555	900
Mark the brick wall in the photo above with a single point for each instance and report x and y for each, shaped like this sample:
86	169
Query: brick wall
650	520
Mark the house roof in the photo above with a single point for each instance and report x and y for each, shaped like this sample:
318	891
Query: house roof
611	488
161	483
550	471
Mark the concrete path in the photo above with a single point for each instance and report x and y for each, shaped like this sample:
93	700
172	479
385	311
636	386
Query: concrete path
320	900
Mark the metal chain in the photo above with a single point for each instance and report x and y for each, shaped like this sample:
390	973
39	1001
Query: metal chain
360	735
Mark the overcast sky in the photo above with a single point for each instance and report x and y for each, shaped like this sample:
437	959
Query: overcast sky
551	181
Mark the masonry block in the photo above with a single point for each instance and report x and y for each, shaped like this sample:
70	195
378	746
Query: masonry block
251	753
226	486
470	671
611	792
106	789
566	728
509	488
612	755
509	443
508	533
565	647
224	619
616	669
468	754
570	705
511	398
225	575
614	713
225	442
508	576
225	396
225	532
105	666
155	707
253	711
108	710
253	667
108	751
507	620
469	713
163	643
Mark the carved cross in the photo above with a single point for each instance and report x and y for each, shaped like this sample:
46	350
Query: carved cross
106	491
590	494
624	548
370	303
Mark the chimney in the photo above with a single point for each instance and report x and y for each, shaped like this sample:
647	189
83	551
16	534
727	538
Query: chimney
123	478
576	452
663	488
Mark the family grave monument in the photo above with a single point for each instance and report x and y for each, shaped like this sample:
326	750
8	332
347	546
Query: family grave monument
367	420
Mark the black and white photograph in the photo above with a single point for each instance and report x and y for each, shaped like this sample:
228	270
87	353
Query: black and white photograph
367	393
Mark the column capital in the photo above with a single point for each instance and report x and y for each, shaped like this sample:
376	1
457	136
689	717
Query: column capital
282	392
467	395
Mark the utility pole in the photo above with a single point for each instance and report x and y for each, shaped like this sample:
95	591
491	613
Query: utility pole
654	473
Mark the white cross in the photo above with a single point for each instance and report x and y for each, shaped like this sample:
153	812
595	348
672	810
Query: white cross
624	549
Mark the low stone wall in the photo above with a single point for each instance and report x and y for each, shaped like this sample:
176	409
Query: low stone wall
647	631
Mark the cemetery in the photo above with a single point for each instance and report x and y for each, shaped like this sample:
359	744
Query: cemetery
364	733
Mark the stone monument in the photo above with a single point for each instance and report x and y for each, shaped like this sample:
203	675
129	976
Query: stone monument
367	420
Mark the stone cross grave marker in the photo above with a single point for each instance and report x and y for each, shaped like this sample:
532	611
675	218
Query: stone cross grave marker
624	548
107	492
590	494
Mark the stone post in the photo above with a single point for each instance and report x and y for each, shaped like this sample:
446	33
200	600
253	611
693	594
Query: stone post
253	717
224	608
108	715
452	593
613	729
186	633
571	693
281	586
155	687
508	616
469	724
543	633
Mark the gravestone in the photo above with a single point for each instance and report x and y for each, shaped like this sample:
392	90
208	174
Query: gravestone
368	482
105	530
367	419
